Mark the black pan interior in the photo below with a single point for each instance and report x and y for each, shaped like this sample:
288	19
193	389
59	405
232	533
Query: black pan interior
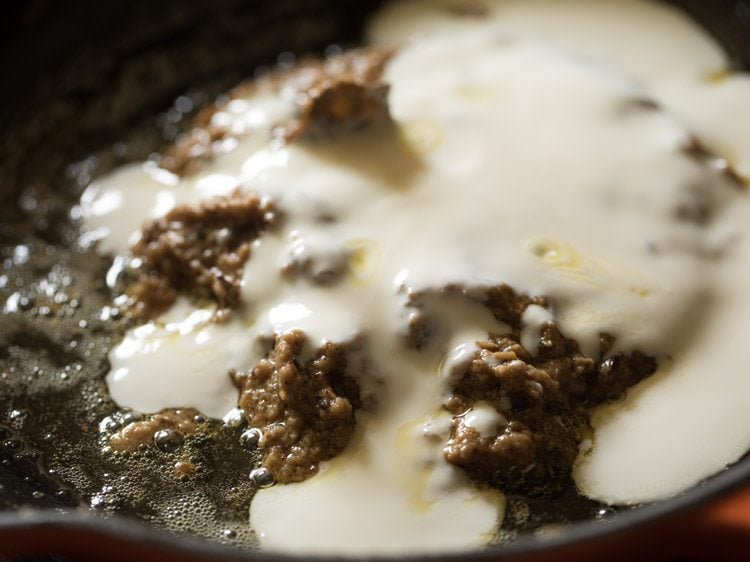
94	84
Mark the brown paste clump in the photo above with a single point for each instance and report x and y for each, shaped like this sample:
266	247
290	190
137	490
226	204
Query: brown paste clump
194	149
198	251
501	300
174	423
341	94
544	397
319	266
304	408
332	96
508	306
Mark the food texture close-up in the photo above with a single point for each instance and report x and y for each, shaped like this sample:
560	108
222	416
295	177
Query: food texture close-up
446	279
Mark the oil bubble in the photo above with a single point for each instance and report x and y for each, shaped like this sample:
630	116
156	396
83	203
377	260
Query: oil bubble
12	445
169	440
262	477
130	417
251	437
234	419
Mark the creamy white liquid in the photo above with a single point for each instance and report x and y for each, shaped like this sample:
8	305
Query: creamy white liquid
656	443
515	158
653	43
484	419
691	419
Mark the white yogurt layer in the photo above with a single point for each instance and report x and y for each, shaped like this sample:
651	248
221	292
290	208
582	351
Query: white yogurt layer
691	420
654	44
181	359
525	152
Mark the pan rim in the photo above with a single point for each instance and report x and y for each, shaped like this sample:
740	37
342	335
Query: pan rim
137	532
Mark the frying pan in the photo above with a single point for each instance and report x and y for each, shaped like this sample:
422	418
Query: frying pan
68	91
